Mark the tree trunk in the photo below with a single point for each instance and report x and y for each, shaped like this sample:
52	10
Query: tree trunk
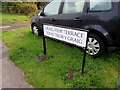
38	5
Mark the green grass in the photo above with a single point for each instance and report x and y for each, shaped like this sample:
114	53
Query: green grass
13	19
26	48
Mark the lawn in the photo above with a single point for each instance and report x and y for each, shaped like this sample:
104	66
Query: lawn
13	19
62	66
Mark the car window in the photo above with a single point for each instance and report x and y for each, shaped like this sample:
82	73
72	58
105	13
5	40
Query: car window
100	5
73	6
52	8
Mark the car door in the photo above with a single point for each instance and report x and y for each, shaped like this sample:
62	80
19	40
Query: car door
73	14
103	14
50	12
119	21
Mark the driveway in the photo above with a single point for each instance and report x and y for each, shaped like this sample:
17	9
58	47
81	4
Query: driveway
10	75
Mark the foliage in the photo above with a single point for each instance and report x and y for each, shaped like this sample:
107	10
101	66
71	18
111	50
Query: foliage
19	8
40	5
26	50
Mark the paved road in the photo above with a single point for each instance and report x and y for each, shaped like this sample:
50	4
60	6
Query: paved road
10	75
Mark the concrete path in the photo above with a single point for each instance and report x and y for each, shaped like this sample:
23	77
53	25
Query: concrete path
10	75
14	26
119	81
0	65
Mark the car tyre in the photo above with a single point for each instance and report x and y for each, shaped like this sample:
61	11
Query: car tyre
95	46
35	29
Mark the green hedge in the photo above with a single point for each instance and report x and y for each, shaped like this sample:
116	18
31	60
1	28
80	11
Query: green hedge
19	8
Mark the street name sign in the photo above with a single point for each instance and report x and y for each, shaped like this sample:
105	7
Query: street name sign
72	36
78	37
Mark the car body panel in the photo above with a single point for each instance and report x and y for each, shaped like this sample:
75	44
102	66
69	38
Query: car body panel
103	23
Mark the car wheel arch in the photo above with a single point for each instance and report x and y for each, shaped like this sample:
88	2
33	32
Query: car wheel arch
33	24
101	32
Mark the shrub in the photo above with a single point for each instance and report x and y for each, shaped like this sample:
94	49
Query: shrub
18	8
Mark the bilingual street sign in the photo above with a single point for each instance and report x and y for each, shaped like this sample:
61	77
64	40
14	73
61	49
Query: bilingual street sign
78	37
72	36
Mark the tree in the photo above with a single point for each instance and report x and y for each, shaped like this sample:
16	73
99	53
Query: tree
40	4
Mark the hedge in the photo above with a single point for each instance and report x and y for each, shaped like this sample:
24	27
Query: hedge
19	8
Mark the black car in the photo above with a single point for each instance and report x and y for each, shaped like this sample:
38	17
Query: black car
100	17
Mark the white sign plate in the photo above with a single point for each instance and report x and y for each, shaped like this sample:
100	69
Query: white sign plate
72	36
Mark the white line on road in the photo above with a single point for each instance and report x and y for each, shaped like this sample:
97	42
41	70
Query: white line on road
4	26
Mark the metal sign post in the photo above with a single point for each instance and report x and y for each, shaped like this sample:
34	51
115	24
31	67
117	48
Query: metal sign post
84	56
44	43
76	37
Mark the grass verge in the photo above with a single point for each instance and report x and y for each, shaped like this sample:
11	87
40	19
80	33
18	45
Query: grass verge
13	19
62	67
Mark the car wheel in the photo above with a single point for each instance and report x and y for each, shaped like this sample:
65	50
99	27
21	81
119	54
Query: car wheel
95	46
35	29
